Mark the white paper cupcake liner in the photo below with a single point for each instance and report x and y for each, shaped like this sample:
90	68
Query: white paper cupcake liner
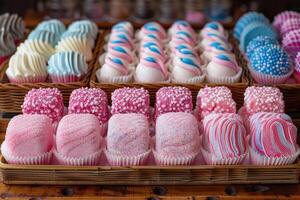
117	79
118	160
225	80
103	129
194	80
173	161
210	159
36	79
43	159
90	160
269	79
258	159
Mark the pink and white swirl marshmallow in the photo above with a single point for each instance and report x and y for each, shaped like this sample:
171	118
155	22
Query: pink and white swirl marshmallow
151	70
273	134
173	99
46	101
123	26
181	25
130	100
121	52
89	100
152	28
182	37
215	28
152	50
214	100
224	135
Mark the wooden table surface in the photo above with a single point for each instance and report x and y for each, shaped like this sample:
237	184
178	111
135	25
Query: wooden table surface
214	192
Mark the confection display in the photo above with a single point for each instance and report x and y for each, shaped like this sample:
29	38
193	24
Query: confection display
28	140
177	140
78	144
128	139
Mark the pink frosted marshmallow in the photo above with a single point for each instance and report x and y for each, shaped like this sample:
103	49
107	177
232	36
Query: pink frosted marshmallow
263	99
173	99
224	135
78	140
28	140
128	134
130	100
214	100
90	100
47	101
177	138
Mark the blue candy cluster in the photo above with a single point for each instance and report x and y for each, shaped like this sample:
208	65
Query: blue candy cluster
259	41
251	25
271	59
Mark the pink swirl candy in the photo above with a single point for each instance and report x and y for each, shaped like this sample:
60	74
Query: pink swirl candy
91	101
182	37
214	100
130	100
118	64
154	63
224	135
215	28
282	17
153	51
173	99
291	43
273	134
182	25
120	52
153	28
120	39
290	25
47	101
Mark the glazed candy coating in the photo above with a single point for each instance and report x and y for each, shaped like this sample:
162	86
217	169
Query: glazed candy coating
273	134
130	100
113	67
90	100
263	99
259	41
222	65
177	135
182	37
121	39
153	27
224	135
215	100
128	134
181	25
123	26
29	135
151	50
46	101
271	60
213	27
78	135
173	99
186	67
120	52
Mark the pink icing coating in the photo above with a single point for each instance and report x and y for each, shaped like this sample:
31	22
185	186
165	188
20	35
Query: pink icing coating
273	134
130	100
78	135
182	39
29	135
146	52
263	99
91	101
47	101
290	25
128	134
161	33
177	135
196	71
291	42
214	100
224	135
221	31
282	17
180	27
173	99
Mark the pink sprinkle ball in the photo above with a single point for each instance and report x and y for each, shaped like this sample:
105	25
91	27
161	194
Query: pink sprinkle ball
47	101
131	100
263	99
173	99
214	100
91	101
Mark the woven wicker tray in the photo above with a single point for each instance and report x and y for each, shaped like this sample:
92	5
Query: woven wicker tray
147	175
237	89
12	95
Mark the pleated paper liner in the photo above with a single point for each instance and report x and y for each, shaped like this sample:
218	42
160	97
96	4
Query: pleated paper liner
12	94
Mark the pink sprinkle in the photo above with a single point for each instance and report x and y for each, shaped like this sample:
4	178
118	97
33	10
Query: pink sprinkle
91	101
173	99
130	100
47	101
